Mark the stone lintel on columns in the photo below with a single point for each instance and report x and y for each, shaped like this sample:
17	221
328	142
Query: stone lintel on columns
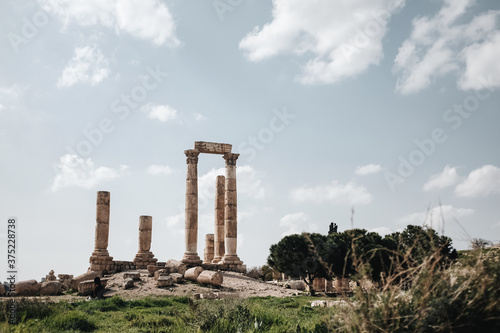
212	147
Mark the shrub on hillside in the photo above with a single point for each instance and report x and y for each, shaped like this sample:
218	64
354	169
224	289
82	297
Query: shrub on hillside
255	272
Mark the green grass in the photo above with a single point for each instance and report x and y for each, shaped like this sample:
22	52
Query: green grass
169	314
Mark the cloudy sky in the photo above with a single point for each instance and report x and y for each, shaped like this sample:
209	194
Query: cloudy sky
371	113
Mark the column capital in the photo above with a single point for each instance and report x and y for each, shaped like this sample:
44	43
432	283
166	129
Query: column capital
192	156
230	158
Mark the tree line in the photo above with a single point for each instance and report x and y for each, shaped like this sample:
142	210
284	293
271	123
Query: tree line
358	253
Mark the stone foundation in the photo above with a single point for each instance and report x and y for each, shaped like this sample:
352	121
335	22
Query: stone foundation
123	266
225	267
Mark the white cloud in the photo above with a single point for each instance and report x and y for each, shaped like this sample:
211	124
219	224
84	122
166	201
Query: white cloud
142	19
348	194
206	187
434	217
163	113
481	61
12	92
244	215
175	224
176	220
342	38
448	177
368	169
88	65
439	45
481	182
241	242
9	96
382	231
199	117
249	184
159	169
297	223
75	171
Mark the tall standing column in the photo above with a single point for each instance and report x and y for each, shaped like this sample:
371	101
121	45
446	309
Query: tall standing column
100	259
191	219
219	249
230	212
145	257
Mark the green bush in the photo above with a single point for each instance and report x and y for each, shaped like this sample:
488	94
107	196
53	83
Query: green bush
463	297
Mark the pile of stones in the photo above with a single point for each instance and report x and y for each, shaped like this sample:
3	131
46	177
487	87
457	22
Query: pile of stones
176	272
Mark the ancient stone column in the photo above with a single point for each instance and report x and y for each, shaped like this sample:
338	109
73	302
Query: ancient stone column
209	249
230	212
145	230
191	219
100	259
219	249
144	256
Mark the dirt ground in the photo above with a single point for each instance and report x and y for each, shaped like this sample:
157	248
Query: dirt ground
234	285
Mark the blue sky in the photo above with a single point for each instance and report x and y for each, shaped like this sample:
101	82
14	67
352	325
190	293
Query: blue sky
387	108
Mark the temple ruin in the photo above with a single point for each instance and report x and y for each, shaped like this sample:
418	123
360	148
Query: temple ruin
220	247
225	236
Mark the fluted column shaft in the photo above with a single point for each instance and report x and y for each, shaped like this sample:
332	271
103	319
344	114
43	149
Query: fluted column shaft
191	212
144	256
219	235
100	259
209	249
145	233
102	223
230	211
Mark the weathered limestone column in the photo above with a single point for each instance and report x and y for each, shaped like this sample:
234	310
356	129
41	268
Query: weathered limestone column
100	259
219	249
230	212
145	257
209	249
191	219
